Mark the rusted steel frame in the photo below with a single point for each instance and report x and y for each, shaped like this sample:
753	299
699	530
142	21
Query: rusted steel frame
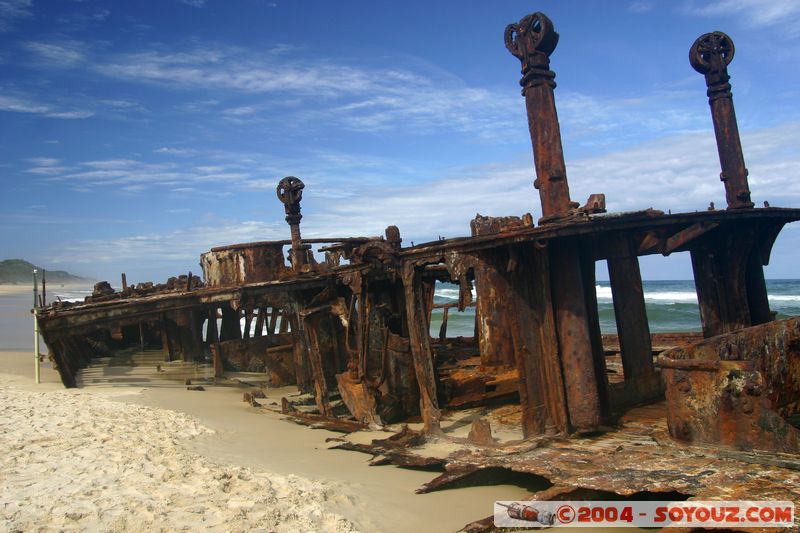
416	315
443	327
290	193
764	235
231	328
300	353
536	346
166	345
260	317
340	360
57	351
190	336
216	359
314	240
362	336
212	335
284	326
274	313
308	326
494	304
630	313
587	264
685	236
710	55
428	292
258	355
532	40
248	322
719	264
757	299
574	337
516	316
601	226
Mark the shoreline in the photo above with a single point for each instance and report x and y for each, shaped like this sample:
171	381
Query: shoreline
8	289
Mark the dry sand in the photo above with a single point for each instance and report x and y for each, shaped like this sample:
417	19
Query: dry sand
75	459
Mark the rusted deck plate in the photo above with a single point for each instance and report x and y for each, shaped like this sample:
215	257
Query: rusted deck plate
638	457
93	314
607	223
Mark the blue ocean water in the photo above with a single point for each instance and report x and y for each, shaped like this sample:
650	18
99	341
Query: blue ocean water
671	306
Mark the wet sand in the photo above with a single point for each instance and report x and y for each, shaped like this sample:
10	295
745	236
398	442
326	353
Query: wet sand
105	457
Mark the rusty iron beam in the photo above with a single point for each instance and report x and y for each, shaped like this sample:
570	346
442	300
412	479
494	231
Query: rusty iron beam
416	317
687	235
532	40
574	339
290	193
710	55
630	314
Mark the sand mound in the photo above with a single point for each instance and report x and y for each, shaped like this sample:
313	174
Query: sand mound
75	460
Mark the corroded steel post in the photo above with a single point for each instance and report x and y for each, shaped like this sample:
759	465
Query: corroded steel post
532	41
710	55
290	192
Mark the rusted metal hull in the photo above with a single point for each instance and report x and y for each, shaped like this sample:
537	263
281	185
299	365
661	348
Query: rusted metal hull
737	389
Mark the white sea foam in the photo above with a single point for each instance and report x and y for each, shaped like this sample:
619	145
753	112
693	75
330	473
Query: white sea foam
784	297
451	294
68	295
666	297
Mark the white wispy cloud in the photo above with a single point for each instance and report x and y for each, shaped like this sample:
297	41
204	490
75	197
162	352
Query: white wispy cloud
193	3
641	6
378	99
13	10
45	166
63	54
180	245
232	68
44	161
19	104
781	14
46	171
174	151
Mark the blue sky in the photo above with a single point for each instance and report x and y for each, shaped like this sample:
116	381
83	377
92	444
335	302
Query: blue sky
136	135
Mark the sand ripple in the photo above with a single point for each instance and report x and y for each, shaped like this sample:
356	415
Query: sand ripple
73	460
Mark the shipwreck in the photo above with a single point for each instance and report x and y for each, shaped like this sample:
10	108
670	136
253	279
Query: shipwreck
347	320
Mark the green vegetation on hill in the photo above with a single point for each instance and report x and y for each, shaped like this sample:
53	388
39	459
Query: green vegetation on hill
20	271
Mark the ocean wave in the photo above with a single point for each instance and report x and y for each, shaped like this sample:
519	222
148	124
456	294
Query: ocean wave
451	294
68	296
604	293
784	297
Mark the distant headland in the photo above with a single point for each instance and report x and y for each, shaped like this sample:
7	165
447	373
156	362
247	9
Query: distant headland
16	271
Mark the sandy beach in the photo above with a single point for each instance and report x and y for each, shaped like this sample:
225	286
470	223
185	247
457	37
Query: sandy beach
140	454
82	460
